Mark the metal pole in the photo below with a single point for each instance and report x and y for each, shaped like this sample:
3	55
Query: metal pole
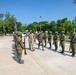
40	24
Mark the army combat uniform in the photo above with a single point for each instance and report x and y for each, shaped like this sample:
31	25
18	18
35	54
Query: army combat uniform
19	46
55	40
45	37
73	44
62	41
31	41
15	36
40	40
50	38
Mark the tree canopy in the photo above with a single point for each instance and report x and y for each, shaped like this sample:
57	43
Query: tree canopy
7	22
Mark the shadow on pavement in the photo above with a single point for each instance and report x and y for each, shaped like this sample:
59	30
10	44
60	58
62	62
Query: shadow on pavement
65	54
14	52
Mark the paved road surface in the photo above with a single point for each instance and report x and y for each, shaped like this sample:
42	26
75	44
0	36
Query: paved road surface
39	62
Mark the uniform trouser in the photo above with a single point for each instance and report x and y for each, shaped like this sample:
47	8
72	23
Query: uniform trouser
19	54
70	46
45	41
31	45
49	42
62	45
41	43
56	45
73	48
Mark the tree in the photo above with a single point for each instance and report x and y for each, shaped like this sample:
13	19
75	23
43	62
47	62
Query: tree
19	26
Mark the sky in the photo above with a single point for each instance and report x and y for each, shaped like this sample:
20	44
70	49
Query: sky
29	11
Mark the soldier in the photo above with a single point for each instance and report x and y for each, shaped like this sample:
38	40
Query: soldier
20	46
45	37
15	35
62	41
69	39
31	38
36	33
73	44
40	40
55	40
50	38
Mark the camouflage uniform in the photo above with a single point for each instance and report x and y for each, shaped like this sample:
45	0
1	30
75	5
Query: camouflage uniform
55	40
50	38
45	37
15	36
40	40
19	46
62	41
69	39
36	33
73	44
31	41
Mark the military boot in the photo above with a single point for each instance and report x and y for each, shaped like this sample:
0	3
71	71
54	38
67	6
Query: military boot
38	47
21	61
42	49
33	50
73	55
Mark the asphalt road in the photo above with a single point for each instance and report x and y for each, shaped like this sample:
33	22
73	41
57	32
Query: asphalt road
48	62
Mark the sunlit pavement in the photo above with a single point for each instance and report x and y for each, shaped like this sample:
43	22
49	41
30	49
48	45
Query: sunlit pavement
48	62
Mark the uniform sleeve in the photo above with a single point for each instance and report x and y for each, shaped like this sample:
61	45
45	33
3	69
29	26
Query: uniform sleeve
20	42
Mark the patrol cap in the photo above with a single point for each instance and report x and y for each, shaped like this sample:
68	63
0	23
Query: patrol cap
30	30
62	32
56	32
19	33
46	31
15	32
50	32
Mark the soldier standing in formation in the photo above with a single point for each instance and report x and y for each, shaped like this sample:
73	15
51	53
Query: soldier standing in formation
20	46
62	41
31	38
55	40
40	36
45	37
69	39
73	44
15	37
40	40
50	39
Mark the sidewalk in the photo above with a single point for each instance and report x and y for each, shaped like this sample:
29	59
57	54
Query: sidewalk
39	62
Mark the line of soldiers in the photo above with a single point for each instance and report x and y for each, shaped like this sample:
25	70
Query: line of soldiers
44	38
18	45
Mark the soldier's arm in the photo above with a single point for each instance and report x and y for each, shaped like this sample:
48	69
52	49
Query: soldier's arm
22	45
20	42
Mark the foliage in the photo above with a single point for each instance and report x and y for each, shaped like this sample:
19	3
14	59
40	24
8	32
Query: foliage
7	22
